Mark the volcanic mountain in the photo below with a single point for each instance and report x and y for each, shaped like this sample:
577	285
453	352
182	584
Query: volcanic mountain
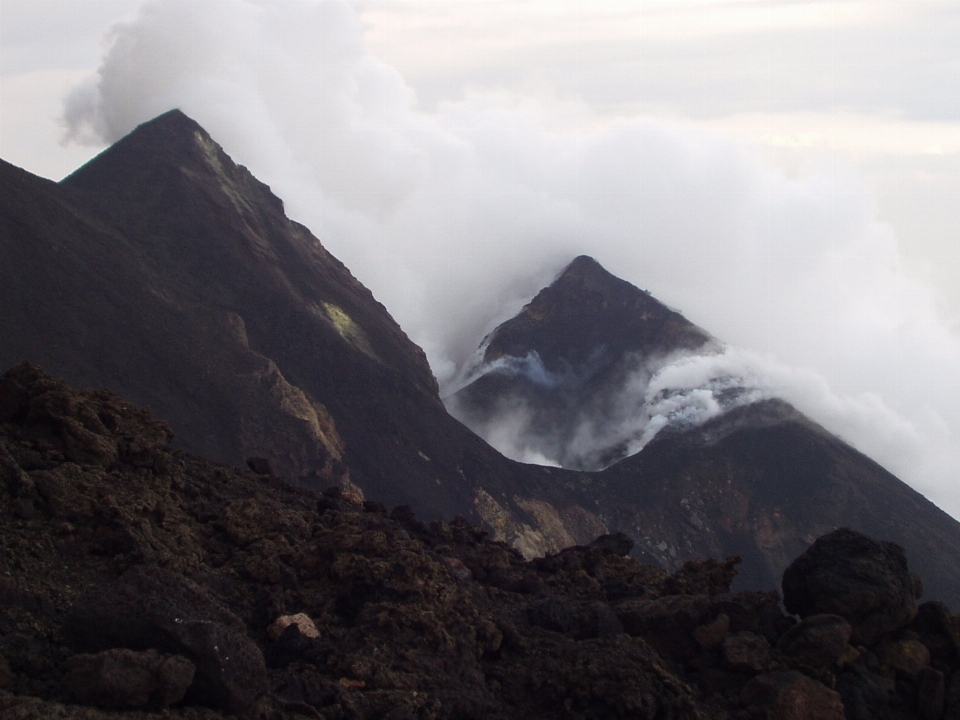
572	380
567	375
167	272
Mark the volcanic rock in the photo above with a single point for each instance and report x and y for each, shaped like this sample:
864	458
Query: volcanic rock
817	640
117	679
301	621
152	608
792	696
931	694
908	657
864	581
746	651
402	636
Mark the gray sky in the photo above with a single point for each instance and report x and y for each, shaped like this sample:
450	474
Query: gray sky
784	173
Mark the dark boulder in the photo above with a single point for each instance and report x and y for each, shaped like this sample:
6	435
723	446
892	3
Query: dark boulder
149	607
666	623
867	695
931	694
939	630
747	652
864	581
793	696
120	678
817	641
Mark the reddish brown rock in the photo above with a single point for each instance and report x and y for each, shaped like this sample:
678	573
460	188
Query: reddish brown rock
457	568
302	622
667	623
120	678
817	641
712	634
149	607
746	651
908	657
410	640
791	695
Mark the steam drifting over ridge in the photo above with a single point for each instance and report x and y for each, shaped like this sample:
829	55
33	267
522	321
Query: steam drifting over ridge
455	218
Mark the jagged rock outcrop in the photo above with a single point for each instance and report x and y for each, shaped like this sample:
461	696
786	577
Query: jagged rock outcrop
119	577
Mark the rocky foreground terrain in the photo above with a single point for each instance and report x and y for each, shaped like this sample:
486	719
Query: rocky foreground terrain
139	581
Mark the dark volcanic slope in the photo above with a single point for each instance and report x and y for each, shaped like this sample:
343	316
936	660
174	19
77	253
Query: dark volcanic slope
567	355
165	271
762	482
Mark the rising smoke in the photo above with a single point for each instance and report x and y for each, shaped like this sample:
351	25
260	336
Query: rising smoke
456	217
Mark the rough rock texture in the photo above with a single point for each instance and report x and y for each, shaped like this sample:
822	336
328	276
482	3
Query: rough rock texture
304	625
862	580
120	678
817	640
149	607
793	696
130	565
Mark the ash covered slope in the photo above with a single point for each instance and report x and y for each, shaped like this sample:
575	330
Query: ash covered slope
163	270
140	582
570	379
762	481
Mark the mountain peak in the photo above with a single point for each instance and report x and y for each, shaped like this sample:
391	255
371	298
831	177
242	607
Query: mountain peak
571	348
585	272
161	153
172	121
587	308
583	264
170	137
175	132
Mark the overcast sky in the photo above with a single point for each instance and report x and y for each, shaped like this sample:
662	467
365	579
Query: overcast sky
784	173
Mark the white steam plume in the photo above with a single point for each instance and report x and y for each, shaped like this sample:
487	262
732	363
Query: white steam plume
454	218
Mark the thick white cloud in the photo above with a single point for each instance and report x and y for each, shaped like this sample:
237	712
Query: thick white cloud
455	216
